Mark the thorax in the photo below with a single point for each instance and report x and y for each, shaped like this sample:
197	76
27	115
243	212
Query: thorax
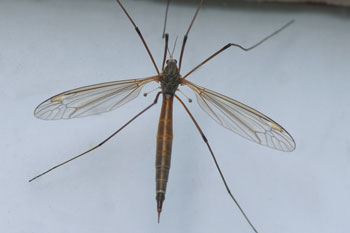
170	78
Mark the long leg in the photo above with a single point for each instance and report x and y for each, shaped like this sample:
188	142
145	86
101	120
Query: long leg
165	18
216	163
140	35
101	143
186	35
239	46
165	49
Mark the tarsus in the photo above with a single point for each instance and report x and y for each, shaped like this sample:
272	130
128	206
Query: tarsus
101	143
216	163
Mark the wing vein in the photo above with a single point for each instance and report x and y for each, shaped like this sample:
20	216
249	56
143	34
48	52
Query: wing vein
242	119
90	100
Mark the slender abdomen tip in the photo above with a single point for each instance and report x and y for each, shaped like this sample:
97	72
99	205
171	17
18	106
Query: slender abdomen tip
160	198
159	211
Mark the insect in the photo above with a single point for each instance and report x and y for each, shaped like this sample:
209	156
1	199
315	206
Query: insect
229	113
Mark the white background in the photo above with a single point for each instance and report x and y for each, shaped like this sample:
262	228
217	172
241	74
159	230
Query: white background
300	78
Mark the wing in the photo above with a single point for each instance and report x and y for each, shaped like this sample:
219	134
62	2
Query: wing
90	100
242	119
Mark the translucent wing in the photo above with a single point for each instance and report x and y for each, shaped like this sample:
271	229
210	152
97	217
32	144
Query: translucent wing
90	100
242	119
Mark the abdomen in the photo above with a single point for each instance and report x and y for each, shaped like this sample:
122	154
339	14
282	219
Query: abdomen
164	146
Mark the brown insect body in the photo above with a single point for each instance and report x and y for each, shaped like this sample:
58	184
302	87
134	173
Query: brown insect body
231	114
170	80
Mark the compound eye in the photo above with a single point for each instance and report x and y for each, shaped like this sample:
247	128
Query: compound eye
167	61
175	60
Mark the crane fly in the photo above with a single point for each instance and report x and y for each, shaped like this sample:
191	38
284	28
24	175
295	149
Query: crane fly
231	114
